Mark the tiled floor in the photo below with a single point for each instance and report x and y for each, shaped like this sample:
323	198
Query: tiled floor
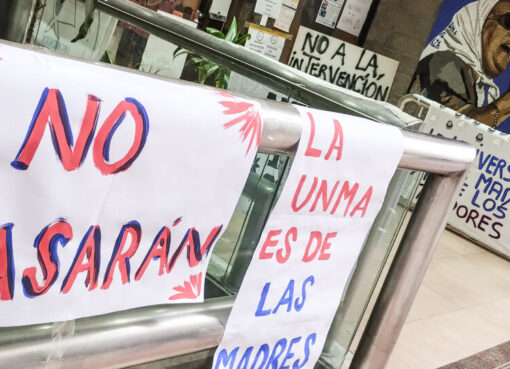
463	307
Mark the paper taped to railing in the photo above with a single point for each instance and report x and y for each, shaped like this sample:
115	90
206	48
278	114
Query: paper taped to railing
481	209
115	187
311	242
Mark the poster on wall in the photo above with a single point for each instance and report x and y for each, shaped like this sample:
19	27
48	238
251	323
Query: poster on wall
219	9
328	13
285	19
269	8
60	23
354	15
343	64
263	41
481	211
115	187
311	242
291	3
465	63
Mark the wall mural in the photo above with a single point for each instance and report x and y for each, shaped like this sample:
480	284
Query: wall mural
465	63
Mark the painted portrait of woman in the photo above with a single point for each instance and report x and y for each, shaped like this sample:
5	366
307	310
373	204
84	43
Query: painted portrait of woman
464	65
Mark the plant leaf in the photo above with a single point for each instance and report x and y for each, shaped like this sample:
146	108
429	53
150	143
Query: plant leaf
222	78
106	58
90	7
215	32
226	79
243	39
201	78
183	52
222	71
202	73
211	68
179	51
194	60
232	31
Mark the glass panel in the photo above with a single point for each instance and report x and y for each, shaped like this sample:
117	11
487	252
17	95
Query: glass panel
379	247
232	253
59	25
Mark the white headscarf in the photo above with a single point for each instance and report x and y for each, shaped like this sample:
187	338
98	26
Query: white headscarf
463	36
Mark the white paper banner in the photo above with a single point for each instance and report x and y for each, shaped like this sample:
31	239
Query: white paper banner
127	215
311	242
481	210
343	64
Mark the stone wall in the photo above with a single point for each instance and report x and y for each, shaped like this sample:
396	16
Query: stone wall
400	30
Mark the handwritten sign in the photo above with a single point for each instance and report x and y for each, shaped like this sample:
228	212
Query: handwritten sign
481	210
115	187
311	242
343	64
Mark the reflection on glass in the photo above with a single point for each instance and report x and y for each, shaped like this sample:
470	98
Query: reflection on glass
233	251
58	23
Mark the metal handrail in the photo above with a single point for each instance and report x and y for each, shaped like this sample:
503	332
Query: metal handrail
421	102
147	334
289	81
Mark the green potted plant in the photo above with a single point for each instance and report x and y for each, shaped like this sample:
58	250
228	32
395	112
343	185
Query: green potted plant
208	69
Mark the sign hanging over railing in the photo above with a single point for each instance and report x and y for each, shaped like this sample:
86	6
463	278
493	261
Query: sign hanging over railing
311	242
115	187
481	209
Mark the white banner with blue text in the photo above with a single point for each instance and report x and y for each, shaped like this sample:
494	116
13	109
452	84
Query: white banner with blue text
482	206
